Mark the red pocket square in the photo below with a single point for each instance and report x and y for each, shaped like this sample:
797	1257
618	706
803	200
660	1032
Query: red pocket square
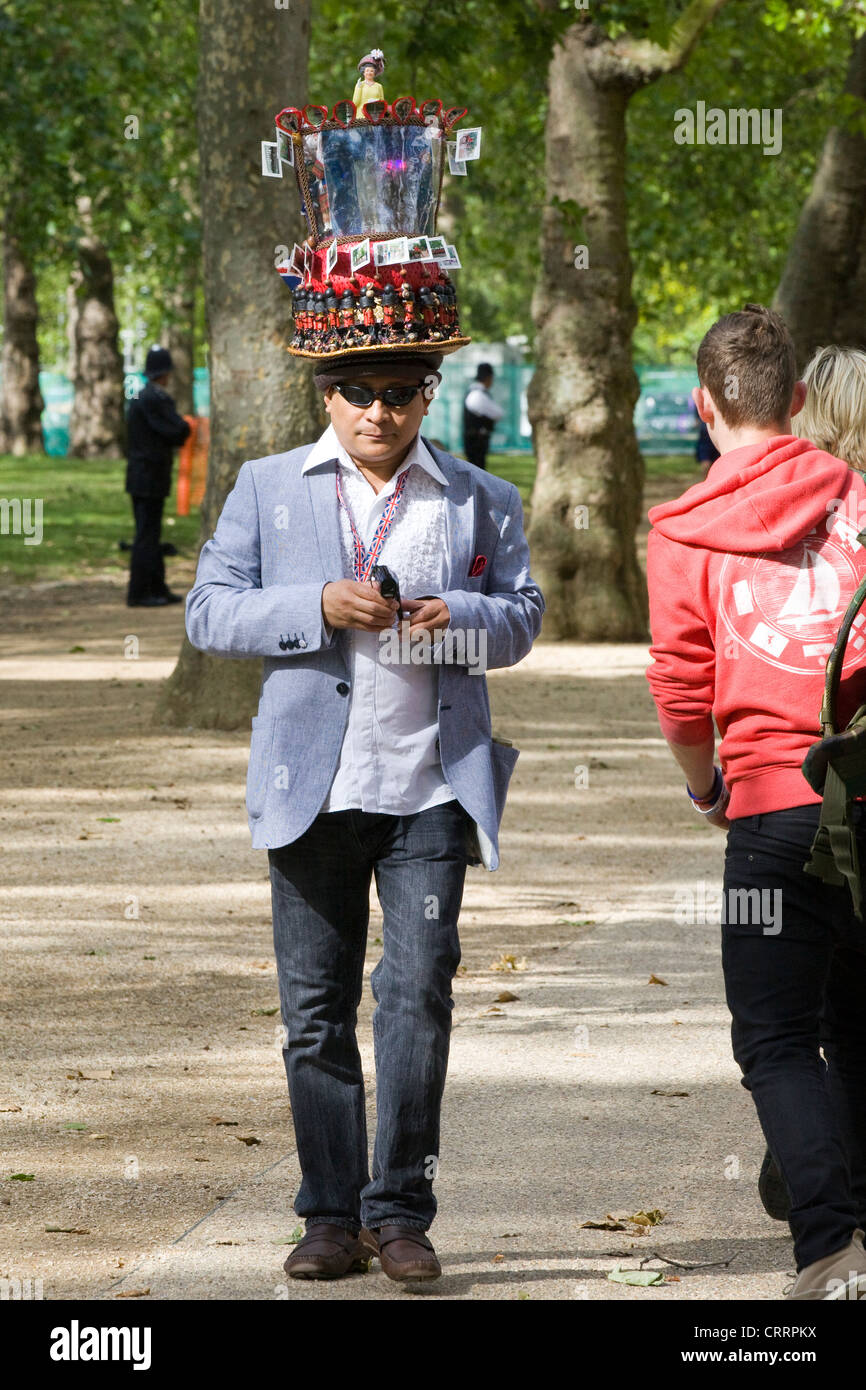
477	566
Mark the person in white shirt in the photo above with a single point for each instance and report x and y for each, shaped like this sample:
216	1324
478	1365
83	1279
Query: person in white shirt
480	414
365	763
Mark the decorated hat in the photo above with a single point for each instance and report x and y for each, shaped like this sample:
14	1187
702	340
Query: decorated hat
373	277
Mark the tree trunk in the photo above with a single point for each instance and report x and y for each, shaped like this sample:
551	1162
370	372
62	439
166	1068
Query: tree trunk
252	61
179	338
589	485
21	403
588	491
96	423
822	293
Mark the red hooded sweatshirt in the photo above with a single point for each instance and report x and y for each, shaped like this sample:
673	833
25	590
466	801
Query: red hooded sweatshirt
749	575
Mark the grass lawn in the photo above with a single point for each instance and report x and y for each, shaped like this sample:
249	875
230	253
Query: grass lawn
85	511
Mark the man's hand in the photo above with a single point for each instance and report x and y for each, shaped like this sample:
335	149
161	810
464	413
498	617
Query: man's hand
427	614
346	603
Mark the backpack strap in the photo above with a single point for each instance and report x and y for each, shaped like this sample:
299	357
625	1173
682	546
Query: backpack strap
836	659
834	857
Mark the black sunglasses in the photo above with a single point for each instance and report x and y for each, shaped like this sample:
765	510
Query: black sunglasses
396	396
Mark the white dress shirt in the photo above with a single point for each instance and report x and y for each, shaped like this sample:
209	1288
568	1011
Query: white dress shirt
480	402
389	760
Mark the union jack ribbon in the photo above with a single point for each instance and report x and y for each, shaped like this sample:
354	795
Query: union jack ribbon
363	559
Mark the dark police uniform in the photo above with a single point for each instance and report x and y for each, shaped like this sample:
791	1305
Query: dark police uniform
154	429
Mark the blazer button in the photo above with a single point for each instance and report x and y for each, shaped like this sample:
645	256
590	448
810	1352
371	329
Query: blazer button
342	688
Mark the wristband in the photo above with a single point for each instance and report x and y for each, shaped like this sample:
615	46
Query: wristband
715	789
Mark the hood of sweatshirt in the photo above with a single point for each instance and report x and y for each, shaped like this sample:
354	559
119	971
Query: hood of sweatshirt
762	497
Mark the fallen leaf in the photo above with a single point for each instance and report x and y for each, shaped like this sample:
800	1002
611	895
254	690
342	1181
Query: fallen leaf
247	1139
641	1277
74	1124
647	1218
508	961
610	1223
133	1293
521	1295
99	1136
109	820
492	1010
215	1120
69	1230
672	1279
260	964
462	969
228	1242
297	1234
669	1093
497	1259
264	1013
102	1074
8	1109
20	1177
654	980
506	997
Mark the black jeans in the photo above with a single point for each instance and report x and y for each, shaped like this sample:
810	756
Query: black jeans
146	565
320	890
796	982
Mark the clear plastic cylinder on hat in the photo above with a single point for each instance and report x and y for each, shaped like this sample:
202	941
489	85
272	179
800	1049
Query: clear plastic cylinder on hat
372	275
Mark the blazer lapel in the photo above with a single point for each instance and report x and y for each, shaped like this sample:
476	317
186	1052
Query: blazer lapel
322	493
460	509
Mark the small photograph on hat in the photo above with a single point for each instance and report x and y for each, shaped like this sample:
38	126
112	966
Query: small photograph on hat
419	249
438	248
285	147
298	262
271	166
360	254
455	165
331	255
469	144
452	261
396	251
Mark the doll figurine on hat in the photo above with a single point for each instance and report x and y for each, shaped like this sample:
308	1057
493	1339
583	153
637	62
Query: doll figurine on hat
367	88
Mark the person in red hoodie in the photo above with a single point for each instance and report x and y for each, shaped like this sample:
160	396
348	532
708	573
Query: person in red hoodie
749	576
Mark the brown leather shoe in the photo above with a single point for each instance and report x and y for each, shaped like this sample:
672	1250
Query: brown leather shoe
406	1253
329	1252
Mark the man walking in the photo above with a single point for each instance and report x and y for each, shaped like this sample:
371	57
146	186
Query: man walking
750	573
480	414
367	765
154	428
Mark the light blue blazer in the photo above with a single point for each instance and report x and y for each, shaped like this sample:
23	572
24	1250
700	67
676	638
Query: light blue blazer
258	593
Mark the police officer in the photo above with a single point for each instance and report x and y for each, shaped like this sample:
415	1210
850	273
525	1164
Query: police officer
480	414
154	428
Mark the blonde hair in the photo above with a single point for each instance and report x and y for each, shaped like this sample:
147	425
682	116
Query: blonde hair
834	416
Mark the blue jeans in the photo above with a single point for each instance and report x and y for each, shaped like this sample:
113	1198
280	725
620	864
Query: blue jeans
320	892
795	985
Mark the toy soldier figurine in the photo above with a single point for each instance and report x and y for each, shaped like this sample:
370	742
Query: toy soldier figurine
331	306
347	318
389	312
320	314
408	298
368	316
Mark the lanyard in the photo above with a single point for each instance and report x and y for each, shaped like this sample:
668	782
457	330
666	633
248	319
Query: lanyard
364	559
